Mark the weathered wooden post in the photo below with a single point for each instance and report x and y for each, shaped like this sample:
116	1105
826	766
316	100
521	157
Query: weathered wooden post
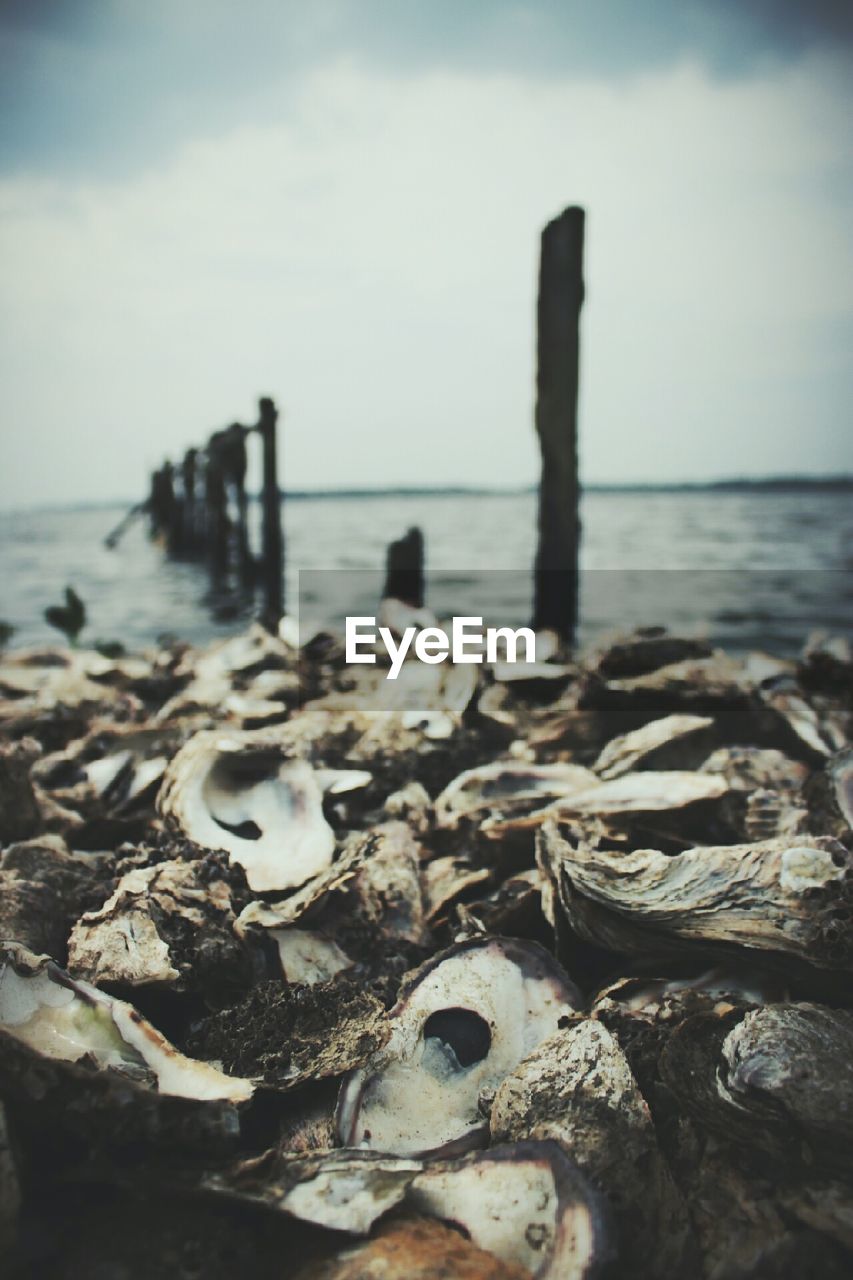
404	569
561	292
216	498
235	446
188	475
272	542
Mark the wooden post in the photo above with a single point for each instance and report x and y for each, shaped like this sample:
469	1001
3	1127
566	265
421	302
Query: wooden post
561	292
188	474
404	569
273	550
217	510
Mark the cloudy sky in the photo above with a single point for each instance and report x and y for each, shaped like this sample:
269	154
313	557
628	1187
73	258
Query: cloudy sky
339	203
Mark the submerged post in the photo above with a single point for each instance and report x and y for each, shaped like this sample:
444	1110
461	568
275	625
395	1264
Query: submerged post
273	551
561	292
404	569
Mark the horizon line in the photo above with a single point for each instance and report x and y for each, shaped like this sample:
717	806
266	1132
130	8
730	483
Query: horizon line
836	481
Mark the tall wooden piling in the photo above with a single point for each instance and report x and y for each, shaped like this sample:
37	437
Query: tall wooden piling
561	293
273	548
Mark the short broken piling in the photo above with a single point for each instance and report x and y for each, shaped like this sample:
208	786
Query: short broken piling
404	569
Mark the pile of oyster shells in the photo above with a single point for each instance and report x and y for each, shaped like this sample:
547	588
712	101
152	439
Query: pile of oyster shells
493	971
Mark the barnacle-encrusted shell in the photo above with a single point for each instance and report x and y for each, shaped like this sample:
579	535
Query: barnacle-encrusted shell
576	1087
43	887
779	1078
129	940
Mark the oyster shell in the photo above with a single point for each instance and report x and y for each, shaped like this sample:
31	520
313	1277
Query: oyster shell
643	652
226	669
751	768
524	1203
779	1078
814	736
308	957
110	770
162	925
462	1023
674	686
239	792
446	879
829	797
411	804
71	1020
82	680
789	897
840	769
623	798
43	890
375	883
504	786
647	651
649	743
577	1088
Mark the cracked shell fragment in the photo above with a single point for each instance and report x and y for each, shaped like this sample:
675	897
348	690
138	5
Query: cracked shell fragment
463	1022
69	1020
239	792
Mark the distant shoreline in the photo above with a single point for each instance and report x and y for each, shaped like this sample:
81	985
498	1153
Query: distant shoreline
771	484
768	484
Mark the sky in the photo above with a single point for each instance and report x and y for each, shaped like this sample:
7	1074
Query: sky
339	204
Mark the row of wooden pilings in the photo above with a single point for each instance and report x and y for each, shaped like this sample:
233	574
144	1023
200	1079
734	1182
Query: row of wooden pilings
200	508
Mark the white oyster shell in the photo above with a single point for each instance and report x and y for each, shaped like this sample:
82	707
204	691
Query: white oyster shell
237	792
61	1018
466	1020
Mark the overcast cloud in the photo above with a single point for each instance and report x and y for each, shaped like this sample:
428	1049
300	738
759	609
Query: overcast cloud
343	211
